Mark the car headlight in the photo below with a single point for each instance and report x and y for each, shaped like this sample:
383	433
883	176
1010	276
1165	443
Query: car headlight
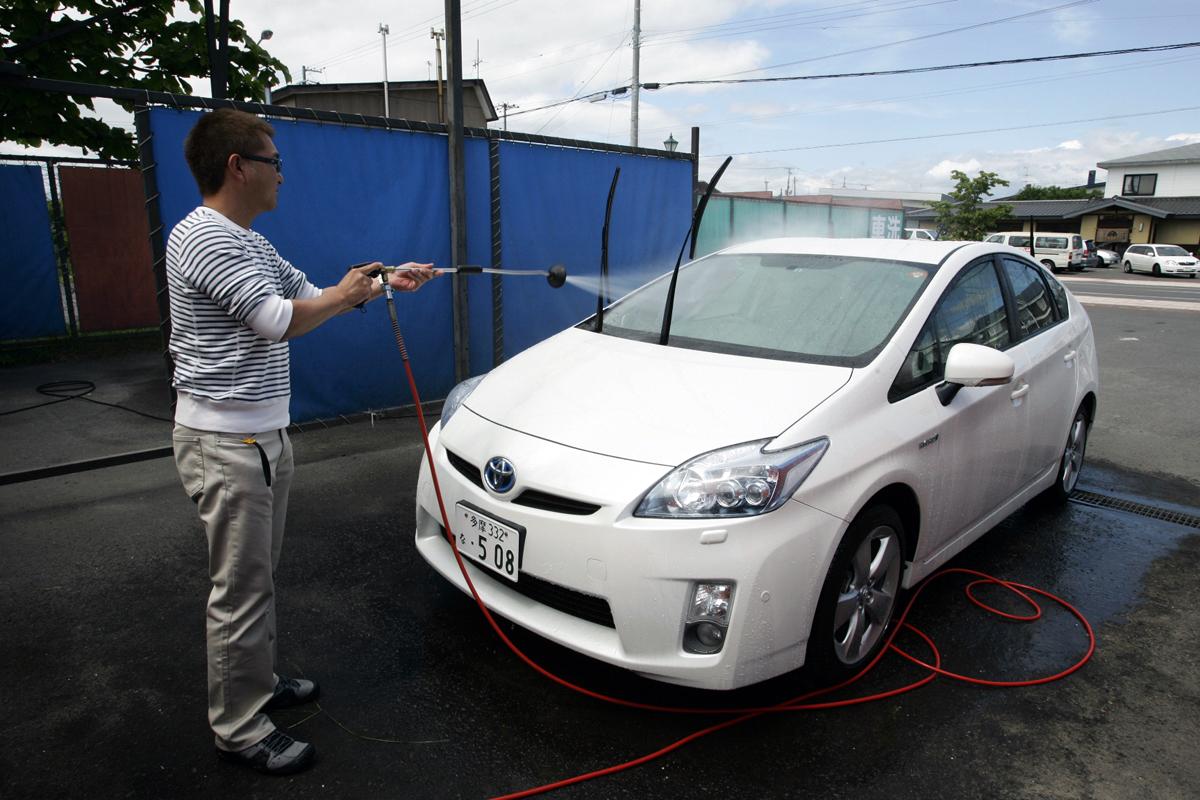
456	397
1170	262
738	481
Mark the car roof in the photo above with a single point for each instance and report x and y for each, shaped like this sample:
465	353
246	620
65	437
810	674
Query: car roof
913	250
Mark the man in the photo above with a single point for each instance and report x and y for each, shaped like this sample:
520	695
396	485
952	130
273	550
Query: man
234	303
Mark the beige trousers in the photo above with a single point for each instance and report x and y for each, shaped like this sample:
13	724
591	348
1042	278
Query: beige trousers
243	514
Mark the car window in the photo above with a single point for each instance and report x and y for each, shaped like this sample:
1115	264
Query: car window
1018	241
996	238
1059	294
1076	242
817	308
1032	299
972	310
1052	242
1173	250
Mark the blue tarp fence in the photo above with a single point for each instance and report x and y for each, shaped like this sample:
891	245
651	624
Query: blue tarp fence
31	306
353	193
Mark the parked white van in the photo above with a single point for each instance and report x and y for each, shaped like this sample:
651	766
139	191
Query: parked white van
1054	250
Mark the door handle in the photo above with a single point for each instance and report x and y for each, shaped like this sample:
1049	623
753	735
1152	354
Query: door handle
1019	393
1069	357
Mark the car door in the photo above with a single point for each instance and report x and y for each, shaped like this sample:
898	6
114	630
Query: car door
1047	345
981	433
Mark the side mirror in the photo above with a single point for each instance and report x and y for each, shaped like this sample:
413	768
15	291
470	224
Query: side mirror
974	365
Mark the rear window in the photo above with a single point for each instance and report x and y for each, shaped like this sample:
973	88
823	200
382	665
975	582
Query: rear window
816	308
1052	242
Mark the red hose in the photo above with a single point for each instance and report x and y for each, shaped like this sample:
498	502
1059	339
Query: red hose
798	703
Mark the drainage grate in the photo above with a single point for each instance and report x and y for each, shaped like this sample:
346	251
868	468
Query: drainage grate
1105	501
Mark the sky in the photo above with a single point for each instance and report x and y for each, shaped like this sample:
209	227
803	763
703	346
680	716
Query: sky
1058	118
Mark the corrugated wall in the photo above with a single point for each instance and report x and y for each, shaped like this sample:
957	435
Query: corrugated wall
110	248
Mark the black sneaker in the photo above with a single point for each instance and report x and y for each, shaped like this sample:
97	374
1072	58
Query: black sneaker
292	692
278	754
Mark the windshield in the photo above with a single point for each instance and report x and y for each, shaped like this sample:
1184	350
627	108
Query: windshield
816	308
1172	250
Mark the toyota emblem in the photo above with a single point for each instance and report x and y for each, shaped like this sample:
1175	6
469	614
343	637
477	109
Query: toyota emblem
499	474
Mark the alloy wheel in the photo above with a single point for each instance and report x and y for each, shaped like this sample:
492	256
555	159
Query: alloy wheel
1072	463
868	595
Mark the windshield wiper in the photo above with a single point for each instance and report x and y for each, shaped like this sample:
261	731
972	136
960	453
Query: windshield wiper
666	325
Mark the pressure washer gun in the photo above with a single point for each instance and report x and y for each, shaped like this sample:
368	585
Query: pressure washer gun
556	276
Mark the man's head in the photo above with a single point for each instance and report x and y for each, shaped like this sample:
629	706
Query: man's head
223	152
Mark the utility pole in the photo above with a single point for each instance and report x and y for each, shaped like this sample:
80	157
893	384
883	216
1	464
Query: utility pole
504	107
305	70
458	187
789	190
478	60
637	40
384	31
437	37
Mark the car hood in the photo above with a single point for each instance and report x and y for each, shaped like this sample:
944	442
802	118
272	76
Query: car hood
644	402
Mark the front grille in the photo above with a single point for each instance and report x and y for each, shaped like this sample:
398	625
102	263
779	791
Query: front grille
531	498
466	468
553	502
560	598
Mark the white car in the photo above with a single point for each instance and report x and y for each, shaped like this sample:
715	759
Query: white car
920	233
832	420
1160	259
1108	258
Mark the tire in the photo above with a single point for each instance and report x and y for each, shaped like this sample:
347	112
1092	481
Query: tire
1157	272
860	597
1129	267
1070	463
1048	264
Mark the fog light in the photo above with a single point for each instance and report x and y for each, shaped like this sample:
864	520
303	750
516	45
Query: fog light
709	634
707	622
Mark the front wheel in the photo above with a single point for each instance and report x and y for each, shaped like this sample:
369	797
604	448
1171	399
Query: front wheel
1129	267
1071	462
860	597
1157	271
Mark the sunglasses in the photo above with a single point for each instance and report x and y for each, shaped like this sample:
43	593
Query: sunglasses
276	161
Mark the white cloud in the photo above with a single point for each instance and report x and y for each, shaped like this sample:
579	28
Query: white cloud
1184	138
943	168
1070	144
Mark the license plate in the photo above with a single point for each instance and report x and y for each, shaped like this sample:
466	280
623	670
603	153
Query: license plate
490	542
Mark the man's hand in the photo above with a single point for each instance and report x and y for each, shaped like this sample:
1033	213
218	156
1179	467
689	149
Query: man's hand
409	280
357	286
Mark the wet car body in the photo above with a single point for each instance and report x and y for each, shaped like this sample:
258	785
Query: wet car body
602	487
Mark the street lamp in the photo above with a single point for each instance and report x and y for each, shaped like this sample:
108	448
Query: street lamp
262	37
670	144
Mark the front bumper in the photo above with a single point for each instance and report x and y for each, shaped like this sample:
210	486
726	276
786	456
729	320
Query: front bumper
643	569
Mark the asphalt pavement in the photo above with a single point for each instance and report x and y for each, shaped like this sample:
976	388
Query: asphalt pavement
103	585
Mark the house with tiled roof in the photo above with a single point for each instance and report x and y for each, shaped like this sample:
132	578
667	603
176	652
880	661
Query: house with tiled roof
1155	198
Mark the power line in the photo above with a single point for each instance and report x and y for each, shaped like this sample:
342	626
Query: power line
863	104
873	48
941	68
878	73
959	133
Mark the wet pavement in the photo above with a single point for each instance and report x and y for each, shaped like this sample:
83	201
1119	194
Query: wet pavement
102	591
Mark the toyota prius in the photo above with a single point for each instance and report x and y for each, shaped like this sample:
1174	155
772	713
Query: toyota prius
828	422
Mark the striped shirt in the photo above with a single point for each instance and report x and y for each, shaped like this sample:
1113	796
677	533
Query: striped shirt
229	376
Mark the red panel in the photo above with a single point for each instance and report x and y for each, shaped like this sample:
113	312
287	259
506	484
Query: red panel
109	244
